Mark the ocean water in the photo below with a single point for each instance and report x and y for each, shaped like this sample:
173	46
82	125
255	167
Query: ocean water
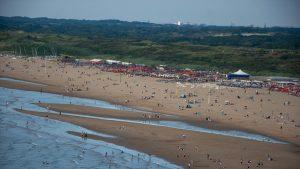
35	142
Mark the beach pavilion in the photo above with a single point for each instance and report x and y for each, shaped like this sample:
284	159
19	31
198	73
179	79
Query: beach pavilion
238	75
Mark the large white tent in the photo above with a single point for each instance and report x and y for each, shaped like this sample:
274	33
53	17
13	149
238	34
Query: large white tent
238	74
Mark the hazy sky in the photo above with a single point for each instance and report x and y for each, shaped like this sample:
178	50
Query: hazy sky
216	12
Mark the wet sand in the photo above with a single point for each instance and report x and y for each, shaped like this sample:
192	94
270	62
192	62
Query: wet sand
130	115
183	147
101	112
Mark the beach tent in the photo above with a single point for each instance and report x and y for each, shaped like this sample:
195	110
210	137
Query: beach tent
238	75
67	59
126	63
113	61
96	61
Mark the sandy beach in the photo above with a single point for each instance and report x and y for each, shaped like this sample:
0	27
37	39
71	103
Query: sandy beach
253	110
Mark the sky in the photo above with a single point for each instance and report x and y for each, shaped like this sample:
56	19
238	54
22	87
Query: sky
211	12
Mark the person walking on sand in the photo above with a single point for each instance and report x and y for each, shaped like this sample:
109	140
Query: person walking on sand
189	165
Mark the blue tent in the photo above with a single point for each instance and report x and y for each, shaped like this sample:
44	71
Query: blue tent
238	75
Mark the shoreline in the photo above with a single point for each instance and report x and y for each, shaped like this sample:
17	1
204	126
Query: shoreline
164	141
219	125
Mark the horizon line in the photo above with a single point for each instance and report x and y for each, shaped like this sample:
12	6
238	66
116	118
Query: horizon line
159	23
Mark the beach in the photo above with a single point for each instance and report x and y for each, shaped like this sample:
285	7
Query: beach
259	111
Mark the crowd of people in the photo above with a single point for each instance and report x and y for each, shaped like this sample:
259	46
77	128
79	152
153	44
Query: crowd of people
187	75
